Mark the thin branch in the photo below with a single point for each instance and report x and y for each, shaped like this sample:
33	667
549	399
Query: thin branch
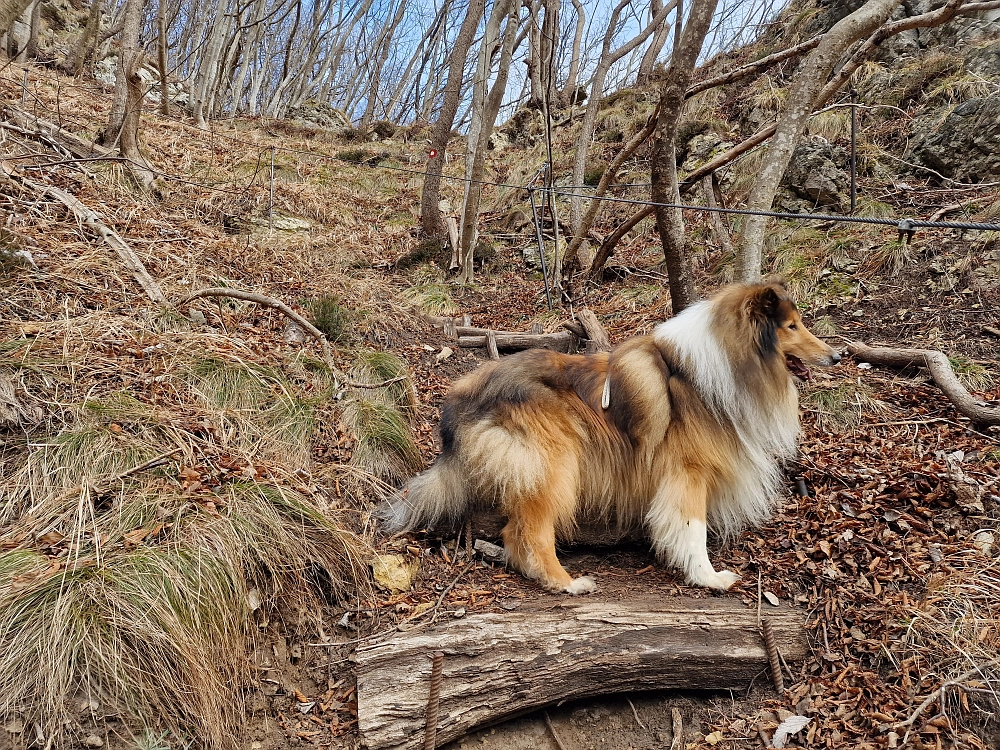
262	299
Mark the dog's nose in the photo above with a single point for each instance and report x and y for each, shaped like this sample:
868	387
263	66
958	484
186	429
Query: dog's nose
835	357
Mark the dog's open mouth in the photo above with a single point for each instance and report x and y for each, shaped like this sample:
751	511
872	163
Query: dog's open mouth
795	366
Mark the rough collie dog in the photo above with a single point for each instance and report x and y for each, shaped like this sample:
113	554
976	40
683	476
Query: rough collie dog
680	431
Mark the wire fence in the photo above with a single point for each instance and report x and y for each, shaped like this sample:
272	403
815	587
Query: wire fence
905	225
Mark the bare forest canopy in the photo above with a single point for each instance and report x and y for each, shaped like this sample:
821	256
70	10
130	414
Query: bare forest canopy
381	59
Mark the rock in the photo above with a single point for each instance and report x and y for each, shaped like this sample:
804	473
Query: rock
197	317
702	147
817	173
93	740
394	573
984	61
319	113
293	334
490	551
966	145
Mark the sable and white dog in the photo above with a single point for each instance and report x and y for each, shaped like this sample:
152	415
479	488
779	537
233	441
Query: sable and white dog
680	431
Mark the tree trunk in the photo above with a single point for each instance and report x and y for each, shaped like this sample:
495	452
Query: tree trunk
798	105
161	55
128	139
431	222
670	221
568	94
485	106
499	665
87	38
607	59
383	46
31	48
10	11
129	56
645	73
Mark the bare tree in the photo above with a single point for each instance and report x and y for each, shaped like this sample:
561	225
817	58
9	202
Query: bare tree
568	93
431	221
382	46
660	36
608	58
798	105
129	56
663	170
486	101
161	55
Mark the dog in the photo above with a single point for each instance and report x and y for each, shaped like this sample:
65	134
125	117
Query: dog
681	431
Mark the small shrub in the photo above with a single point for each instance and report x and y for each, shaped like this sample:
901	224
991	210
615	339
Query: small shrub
353	155
332	318
593	175
384	129
432	299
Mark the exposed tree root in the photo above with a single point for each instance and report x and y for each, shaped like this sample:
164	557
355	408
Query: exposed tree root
940	369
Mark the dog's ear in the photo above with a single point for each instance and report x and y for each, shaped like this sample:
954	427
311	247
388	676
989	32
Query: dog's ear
765	300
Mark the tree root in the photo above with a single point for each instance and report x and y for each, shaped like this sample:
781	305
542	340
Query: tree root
940	369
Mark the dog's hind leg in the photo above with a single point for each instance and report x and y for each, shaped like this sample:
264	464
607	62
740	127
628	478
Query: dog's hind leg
677	525
530	534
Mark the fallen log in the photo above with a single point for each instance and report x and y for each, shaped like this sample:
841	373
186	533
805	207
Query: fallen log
560	341
496	666
940	369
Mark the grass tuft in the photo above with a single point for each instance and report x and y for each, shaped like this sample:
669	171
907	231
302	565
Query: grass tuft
329	315
432	299
383	443
973	375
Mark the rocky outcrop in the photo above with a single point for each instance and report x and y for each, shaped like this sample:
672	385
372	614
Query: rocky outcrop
319	113
966	144
817	176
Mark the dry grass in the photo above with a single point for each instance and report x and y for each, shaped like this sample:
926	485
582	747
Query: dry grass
953	636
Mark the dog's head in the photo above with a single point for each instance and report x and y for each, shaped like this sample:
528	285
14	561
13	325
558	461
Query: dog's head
781	332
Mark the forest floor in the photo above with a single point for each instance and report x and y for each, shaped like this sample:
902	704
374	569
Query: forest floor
895	572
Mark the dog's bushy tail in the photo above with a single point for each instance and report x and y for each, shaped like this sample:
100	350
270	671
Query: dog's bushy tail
437	495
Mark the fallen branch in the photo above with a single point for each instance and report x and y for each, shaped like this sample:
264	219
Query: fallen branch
262	299
597	337
940	369
72	142
560	341
754	67
612	240
92	220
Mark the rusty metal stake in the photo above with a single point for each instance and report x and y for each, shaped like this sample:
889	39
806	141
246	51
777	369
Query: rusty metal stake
433	701
772	656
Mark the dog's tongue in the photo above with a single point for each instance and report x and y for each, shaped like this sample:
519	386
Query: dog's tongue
795	366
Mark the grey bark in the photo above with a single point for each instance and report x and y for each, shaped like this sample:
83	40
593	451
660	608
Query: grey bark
382	47
10	11
798	105
568	93
670	221
129	57
608	58
431	222
645	73
498	665
486	103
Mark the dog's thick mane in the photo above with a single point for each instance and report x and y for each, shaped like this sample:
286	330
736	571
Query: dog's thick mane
727	357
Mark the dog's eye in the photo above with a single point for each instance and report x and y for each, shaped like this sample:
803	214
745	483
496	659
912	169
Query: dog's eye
793	327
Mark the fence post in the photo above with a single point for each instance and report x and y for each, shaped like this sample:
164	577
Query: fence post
854	150
270	203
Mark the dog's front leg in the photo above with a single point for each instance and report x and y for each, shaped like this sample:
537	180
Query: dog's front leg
677	525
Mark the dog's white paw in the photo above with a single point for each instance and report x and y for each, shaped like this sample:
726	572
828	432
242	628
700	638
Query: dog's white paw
724	580
581	585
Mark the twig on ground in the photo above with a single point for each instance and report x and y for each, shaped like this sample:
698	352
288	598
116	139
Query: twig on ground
433	610
676	729
552	731
263	299
939	694
636	714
